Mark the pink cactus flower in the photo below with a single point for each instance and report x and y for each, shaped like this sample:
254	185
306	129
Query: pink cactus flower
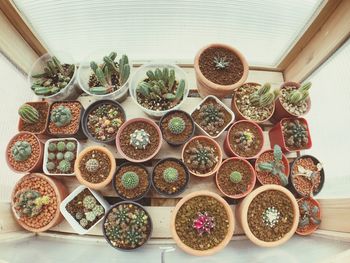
203	223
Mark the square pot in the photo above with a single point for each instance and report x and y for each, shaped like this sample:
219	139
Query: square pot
71	220
36	104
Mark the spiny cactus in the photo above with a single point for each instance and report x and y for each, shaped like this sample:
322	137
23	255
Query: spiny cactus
64	166
264	96
29	114
69	156
90	216
89	202
79	215
212	117
295	134
70	146
296	97
83	222
61	146
140	139
50	166
235	177
52	146
121	214
61	116
139	218
308	214
59	156
276	166
133	238
271	216
130	180
92	165
244	139
98	210
21	150
30	203
176	125
203	223
114	232
170	175
201	158
221	62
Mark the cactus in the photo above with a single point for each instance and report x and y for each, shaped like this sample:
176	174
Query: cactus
98	210
308	214
298	96
61	146
114	232
52	146
21	151
203	223
64	166
139	218
30	203
89	202
59	156
170	175
83	222
176	125
235	177
92	165
51	156
90	216
121	214
50	166
79	215
133	238
69	156
61	116
271	216
264	97
221	62
201	158
244	139
276	166
295	134
130	180
29	114
139	139
212	117
70	146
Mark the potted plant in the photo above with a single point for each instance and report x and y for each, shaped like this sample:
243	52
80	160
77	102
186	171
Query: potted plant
53	80
269	215
293	102
291	135
244	139
220	69
202	223
307	176
131	181
102	120
177	127
310	216
95	167
127	226
170	177
60	155
254	102
24	153
158	88
212	116
272	167
35	202
235	178
105	77
139	140
83	209
34	117
65	119
202	156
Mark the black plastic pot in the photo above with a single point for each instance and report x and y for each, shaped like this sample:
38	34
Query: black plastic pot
182	189
90	109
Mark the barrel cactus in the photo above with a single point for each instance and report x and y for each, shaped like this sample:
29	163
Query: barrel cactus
69	156
59	156
264	97
212	117
30	203
61	146
64	166
295	133
50	166
170	175
29	114
61	116
201	158
139	139
130	180
89	202
176	125
98	210
235	177
90	216
21	151
92	165
70	146
52	146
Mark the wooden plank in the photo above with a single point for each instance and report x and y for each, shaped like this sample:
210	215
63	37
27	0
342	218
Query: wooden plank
338	258
335	214
15	236
7	222
332	235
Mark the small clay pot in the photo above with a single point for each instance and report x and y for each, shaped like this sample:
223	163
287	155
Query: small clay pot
35	104
311	228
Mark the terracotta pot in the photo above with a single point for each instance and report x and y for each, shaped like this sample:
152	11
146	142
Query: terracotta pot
217	147
34	104
276	136
252	182
37	167
226	240
207	87
144	120
242	211
280	110
227	146
311	228
97	186
61	193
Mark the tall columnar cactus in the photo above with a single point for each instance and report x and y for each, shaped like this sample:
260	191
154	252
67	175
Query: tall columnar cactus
201	158
28	114
211	116
61	116
92	165
176	125
130	180
221	62
276	166
295	133
264	97
30	203
298	96
170	175
139	139
308	214
21	150
235	177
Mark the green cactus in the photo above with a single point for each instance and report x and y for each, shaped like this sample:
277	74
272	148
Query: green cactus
221	62
308	214
69	156
121	214
98	210
79	215
130	180
176	125
212	117
30	203
83	222
170	175
296	134
61	146
124	69
139	218
201	158
92	165
298	96
90	216
59	156
70	146
89	202
113	232
139	139
52	146
235	177
51	156
133	238
64	166
29	114
21	151
264	97
61	116
50	166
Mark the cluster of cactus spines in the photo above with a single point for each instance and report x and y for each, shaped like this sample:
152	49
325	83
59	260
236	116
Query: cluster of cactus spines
54	78
244	139
64	155
61	146
296	134
92	165
296	97
203	223
83	222
139	139
308	214
52	146
30	203
264	96
64	166
221	62
89	202
92	210
201	158
271	216
176	125
130	180
61	116
70	146
69	156
21	151
235	177
276	166
170	175
29	114
133	237
211	116
139	218
114	232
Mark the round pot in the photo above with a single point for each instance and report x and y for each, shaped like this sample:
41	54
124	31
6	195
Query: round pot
227	146
130	122
182	189
224	242
175	144
92	107
252	182
313	227
217	147
35	104
61	193
207	87
39	162
242	210
95	186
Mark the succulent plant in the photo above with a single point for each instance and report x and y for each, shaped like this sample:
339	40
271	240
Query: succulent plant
52	146
61	116
140	139
130	180
139	218
79	215
61	146
89	202
264	97
114	232
308	214
30	203
170	175
90	216
69	156
295	134
51	156
29	114
83	222
64	166
309	174
70	146
203	223
133	238
50	166
201	158
244	139
121	214
98	210
271	216
212	117
92	165
59	156
276	166
221	62
235	177
297	96
176	125
21	150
